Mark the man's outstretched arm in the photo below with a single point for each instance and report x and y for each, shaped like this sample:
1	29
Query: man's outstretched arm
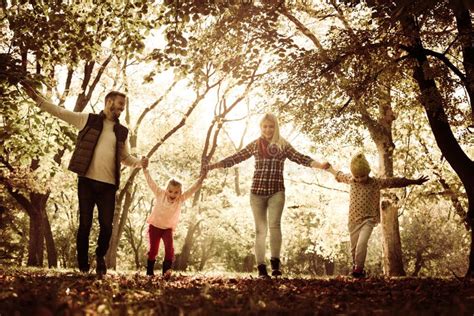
76	119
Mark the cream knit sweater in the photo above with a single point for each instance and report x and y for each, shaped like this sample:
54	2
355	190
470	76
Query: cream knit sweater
102	167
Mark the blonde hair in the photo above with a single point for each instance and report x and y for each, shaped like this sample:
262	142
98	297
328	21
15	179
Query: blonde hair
175	183
359	165
276	139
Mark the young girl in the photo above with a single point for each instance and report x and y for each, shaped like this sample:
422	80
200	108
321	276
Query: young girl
267	194
164	218
364	205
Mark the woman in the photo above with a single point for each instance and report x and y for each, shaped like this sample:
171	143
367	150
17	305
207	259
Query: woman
267	197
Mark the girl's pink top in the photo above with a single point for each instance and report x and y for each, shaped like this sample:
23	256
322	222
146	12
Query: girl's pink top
166	214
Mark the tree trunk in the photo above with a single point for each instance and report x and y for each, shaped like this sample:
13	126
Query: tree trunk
329	267
432	101
39	231
181	262
392	248
466	38
120	218
23	242
206	253
50	245
121	213
36	240
418	263
134	244
237	182
249	263
111	257
136	253
204	258
381	133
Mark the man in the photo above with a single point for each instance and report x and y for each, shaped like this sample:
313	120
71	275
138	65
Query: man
101	147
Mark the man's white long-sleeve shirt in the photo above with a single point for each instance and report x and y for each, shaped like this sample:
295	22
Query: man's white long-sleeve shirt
102	166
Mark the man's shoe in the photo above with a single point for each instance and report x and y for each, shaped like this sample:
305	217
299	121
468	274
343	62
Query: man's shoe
83	265
100	268
84	269
275	263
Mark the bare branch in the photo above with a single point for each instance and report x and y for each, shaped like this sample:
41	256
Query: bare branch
152	106
303	29
65	93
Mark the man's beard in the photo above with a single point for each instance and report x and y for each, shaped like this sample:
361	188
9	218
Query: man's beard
115	115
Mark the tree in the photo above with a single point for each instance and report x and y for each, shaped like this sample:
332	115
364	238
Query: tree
32	38
432	97
381	56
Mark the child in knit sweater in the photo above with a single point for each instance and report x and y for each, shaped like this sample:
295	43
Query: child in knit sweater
164	218
364	205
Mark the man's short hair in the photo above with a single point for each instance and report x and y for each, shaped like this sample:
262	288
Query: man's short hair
113	94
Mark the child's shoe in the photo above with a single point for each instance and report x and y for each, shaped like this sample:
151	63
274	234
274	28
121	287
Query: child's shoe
262	271
275	263
167	267
150	265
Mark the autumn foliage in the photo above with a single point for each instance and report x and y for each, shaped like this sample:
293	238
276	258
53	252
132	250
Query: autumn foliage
40	292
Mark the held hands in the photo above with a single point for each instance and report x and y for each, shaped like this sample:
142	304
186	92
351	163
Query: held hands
325	165
331	170
321	165
144	162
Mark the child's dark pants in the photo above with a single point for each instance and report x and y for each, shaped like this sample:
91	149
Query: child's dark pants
155	235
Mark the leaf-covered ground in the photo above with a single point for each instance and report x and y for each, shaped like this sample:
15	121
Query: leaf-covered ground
52	292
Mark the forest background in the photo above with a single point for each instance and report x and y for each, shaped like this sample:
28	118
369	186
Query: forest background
342	76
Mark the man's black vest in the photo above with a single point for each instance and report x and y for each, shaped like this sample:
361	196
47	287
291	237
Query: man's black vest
87	140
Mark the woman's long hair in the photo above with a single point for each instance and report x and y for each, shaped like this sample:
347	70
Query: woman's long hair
276	139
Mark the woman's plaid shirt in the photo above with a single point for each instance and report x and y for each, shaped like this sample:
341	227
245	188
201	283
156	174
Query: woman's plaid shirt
268	175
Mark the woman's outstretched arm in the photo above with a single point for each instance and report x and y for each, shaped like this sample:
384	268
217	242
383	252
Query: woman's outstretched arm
304	160
236	158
